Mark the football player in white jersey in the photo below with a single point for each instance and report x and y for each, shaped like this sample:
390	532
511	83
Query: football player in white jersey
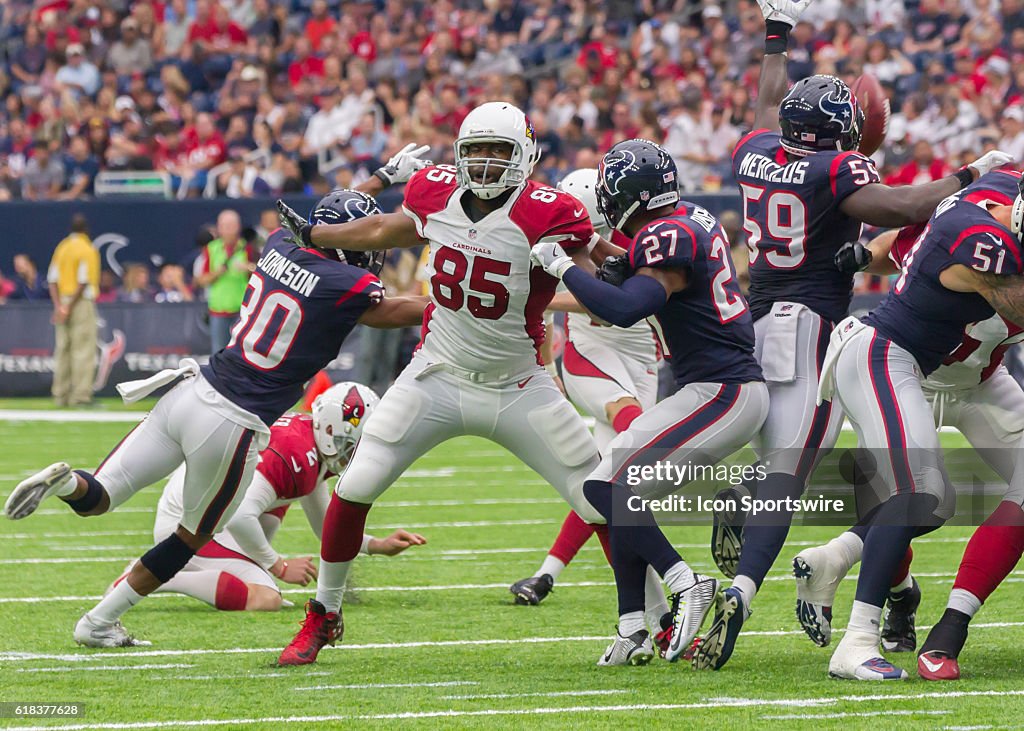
477	369
611	373
972	392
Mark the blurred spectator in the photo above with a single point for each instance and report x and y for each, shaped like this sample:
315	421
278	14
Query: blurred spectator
79	74
108	287
923	167
135	284
241	179
80	168
171	285
268	223
74	279
1012	126
131	53
687	141
44	175
28	285
223	269
7	287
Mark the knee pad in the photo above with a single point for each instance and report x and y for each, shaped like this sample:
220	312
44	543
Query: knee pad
167	558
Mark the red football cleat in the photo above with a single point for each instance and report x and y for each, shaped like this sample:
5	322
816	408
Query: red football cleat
936	665
318	629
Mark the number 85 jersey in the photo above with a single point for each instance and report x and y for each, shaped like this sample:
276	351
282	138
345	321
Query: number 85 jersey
487	302
794	224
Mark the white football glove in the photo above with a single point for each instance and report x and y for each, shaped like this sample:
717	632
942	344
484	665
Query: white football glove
990	161
402	166
551	258
787	11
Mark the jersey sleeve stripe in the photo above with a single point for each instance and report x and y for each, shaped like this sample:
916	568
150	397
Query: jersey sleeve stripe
552	235
420	223
833	171
747	138
365	281
1001	234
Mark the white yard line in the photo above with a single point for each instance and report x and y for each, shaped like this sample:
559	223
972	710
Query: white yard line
709	704
121	417
865	714
551	694
94	668
373	686
15	656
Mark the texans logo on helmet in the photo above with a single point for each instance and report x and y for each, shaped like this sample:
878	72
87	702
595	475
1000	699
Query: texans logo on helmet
353	408
838	104
614	167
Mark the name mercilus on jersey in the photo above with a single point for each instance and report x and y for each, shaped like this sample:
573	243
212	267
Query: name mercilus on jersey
288	273
759	166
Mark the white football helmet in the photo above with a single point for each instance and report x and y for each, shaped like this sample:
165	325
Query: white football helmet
496	122
582	184
338	417
1017	213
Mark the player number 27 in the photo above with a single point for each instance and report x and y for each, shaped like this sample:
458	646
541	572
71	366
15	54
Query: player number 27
450	269
267	327
785	217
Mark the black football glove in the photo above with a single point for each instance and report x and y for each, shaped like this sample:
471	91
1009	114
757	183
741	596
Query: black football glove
614	270
852	257
296	224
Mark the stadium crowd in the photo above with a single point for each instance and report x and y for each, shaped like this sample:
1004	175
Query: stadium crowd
251	97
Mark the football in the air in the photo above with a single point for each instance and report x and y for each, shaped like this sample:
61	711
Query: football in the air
875	104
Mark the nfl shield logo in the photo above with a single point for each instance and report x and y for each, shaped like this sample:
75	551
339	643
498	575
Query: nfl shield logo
472	234
645	195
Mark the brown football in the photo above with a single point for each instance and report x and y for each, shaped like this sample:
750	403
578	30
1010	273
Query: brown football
875	104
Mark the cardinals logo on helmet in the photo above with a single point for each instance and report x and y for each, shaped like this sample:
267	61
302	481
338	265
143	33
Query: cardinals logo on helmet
353	407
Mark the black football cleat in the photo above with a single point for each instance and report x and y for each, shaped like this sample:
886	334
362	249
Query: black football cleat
727	530
531	591
898	631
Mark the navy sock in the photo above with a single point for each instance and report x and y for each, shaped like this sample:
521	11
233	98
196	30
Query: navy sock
93	494
636	541
896	523
764	533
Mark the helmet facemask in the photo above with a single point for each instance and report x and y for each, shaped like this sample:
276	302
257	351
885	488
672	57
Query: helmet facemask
1017	213
512	172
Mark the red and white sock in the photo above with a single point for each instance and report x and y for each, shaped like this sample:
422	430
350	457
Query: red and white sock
344	525
991	554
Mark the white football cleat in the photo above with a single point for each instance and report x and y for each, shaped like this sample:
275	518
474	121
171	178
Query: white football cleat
633	650
817	573
856	658
92	634
690	608
33	490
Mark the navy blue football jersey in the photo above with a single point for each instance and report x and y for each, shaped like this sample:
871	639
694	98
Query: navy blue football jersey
919	314
299	307
794	225
706	329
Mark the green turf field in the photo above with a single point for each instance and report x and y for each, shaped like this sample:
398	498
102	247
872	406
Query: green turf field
432	638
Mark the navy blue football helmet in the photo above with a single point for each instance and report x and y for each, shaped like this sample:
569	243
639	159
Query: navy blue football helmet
635	175
342	206
820	113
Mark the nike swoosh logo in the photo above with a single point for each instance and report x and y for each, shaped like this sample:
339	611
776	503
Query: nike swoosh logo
933	667
577	214
522	384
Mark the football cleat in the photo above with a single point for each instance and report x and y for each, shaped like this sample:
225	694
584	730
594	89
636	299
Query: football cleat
93	634
690	608
633	650
898	631
817	578
319	628
715	648
936	665
532	590
727	531
856	658
938	657
33	490
663	637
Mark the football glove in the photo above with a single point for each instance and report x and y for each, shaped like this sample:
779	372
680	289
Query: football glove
784	11
296	224
551	258
853	257
990	161
402	166
614	270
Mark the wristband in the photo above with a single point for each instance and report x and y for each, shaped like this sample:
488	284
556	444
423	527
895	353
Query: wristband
776	38
365	547
382	175
965	176
284	567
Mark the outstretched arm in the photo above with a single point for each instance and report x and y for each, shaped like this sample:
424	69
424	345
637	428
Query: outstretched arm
1004	293
779	16
882	205
392	312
